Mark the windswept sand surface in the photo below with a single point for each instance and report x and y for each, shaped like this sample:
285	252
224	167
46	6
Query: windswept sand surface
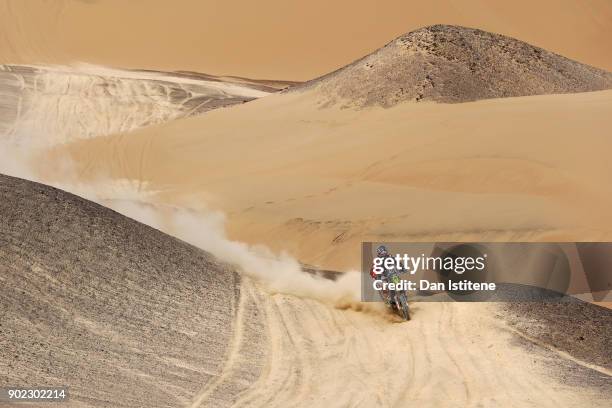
317	182
45	105
128	316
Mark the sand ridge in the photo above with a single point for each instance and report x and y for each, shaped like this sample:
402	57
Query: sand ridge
67	103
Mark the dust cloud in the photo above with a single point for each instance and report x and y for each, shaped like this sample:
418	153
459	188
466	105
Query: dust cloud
277	272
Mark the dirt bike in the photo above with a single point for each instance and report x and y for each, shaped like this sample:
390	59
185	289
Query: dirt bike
399	303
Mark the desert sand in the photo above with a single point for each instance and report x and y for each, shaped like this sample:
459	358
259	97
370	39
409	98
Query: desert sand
244	39
317	182
47	105
299	172
129	316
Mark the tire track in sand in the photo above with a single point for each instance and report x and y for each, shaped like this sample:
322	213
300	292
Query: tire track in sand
306	353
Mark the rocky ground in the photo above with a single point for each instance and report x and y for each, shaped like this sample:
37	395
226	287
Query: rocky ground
121	313
451	64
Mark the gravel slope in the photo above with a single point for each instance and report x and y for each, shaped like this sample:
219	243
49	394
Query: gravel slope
451	64
580	329
122	313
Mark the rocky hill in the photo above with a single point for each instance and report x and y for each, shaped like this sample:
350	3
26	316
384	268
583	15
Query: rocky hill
451	64
118	311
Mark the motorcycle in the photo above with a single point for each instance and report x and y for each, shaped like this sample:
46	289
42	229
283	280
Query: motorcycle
399	302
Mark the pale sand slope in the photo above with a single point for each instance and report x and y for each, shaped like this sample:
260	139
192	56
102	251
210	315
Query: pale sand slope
317	182
47	104
449	355
128	316
276	39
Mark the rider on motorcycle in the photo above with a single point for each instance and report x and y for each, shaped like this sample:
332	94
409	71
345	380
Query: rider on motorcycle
385	276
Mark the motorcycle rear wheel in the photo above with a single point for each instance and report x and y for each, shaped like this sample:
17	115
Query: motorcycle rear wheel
403	308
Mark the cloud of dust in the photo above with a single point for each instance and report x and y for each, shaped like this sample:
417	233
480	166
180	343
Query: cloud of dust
15	160
278	273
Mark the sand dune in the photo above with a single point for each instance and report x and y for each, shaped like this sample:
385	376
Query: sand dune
298	173
128	316
64	103
317	181
243	39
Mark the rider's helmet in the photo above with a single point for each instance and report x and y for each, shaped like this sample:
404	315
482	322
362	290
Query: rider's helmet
381	251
